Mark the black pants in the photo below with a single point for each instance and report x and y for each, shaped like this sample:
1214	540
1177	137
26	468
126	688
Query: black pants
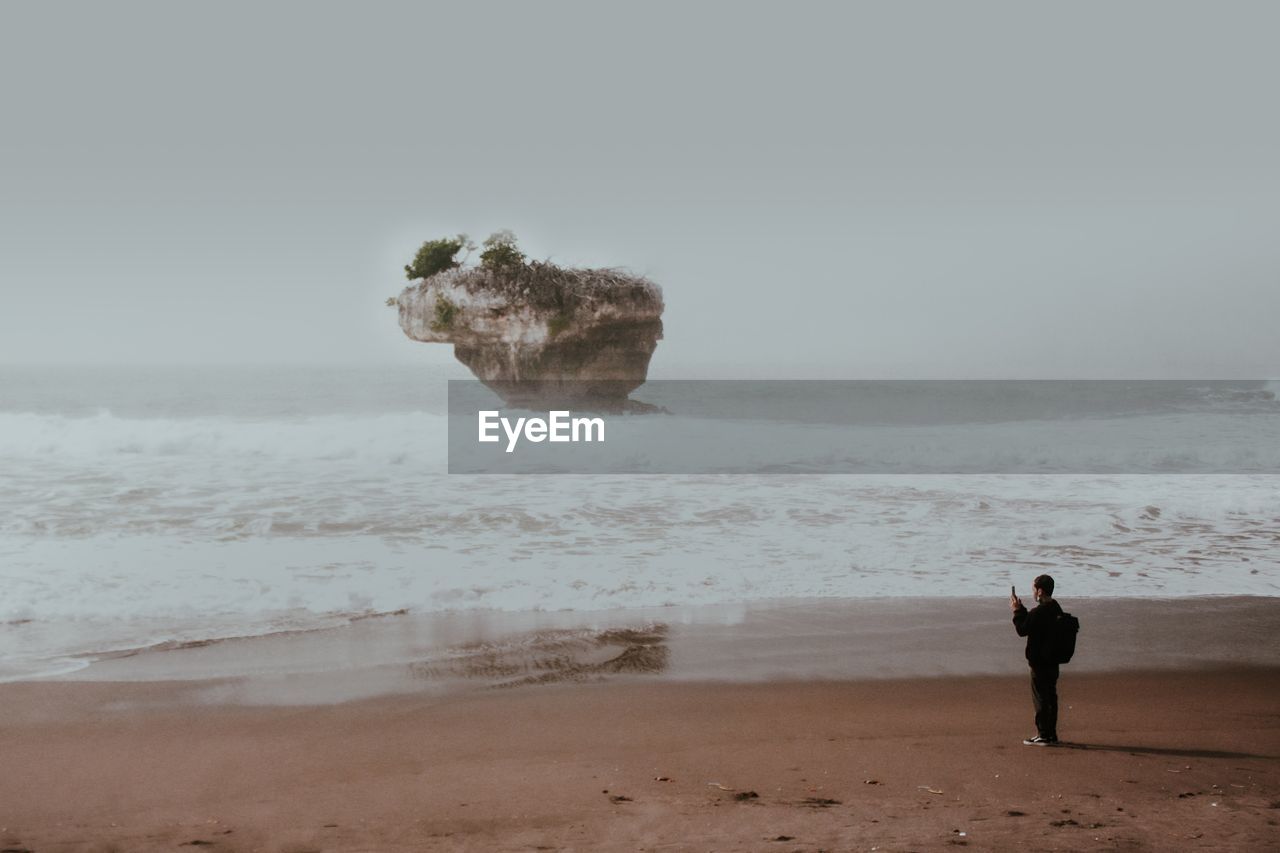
1044	693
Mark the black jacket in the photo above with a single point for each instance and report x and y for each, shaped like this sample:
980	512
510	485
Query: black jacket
1037	626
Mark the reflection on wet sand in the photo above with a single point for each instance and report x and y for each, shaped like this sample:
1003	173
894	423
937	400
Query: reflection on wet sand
554	656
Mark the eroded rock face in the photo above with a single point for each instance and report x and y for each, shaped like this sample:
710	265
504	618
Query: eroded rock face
542	335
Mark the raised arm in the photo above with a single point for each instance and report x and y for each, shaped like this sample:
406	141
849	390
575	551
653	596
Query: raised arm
1021	620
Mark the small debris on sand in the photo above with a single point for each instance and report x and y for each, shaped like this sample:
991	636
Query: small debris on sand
819	802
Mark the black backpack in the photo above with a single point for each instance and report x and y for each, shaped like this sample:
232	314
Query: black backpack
1065	629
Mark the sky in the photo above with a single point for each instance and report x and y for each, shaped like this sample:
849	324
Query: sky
867	190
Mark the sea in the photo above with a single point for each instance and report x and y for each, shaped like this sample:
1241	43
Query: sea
172	505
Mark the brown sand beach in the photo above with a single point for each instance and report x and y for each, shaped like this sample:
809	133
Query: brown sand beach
648	738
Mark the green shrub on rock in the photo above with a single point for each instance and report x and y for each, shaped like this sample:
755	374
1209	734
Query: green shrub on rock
445	311
437	256
500	252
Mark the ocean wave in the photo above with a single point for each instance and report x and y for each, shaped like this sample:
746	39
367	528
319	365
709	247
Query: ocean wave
215	479
1262	399
392	437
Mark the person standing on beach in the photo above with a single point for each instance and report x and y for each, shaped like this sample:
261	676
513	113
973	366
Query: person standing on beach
1038	626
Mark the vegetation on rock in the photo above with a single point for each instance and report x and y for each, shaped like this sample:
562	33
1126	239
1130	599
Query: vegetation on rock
500	252
437	256
445	311
505	272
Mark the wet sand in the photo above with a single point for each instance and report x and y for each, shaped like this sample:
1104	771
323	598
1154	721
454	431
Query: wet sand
759	641
608	739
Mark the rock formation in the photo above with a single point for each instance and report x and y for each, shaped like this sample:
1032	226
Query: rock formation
540	335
